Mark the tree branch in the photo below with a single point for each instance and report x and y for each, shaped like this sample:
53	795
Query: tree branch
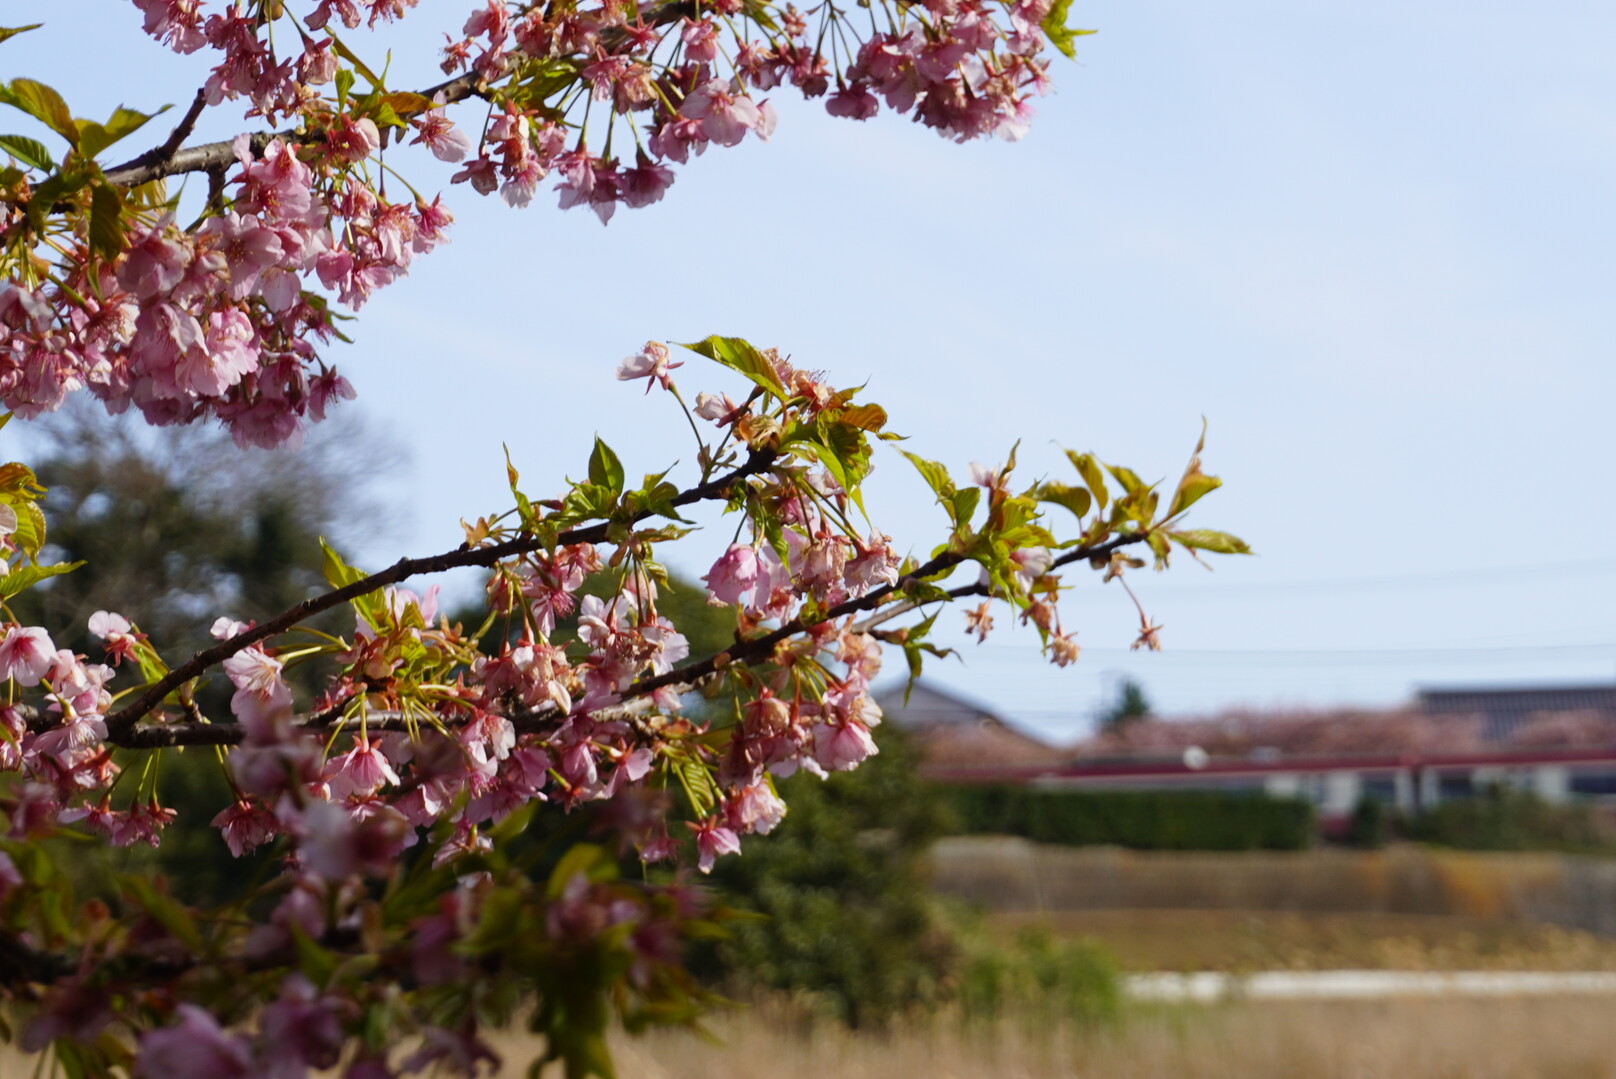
755	649
121	722
169	160
169	147
686	677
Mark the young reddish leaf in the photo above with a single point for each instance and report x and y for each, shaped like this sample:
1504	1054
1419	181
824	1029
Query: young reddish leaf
868	417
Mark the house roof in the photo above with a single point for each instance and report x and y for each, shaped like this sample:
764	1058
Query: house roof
954	732
1529	713
1447	720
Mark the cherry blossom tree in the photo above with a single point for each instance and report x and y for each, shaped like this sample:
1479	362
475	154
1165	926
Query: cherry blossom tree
408	909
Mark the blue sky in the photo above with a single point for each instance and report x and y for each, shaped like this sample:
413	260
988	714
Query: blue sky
1371	243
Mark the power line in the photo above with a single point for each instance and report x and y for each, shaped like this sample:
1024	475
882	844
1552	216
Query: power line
1437	578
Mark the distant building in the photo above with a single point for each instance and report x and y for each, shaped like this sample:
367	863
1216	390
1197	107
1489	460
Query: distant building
1558	742
962	738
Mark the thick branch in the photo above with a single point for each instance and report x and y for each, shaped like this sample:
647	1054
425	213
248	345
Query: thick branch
159	155
205	158
121	722
169	160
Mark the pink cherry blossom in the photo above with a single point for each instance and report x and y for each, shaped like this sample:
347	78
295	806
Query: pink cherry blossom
651	363
360	771
726	116
735	572
26	654
713	840
446	141
245	825
841	747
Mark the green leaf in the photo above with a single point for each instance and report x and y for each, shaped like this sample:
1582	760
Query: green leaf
345	81
54	189
605	470
935	475
1195	483
27	525
524	507
1060	35
742	356
9	32
166	911
1159	547
1089	469
24	577
697	781
106	221
18	479
498	923
337	572
315	962
30	152
1127	477
348	55
1075	499
582	858
406	103
1205	539
94	137
964	504
914	647
43	104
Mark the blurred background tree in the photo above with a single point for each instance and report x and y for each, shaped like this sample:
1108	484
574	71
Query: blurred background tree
848	916
175	525
1131	704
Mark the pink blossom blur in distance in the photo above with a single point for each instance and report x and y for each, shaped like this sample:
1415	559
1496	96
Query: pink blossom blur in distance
195	1048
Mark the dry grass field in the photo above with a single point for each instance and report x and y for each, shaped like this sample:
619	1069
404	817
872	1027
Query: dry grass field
1243	941
1568	1038
1539	1038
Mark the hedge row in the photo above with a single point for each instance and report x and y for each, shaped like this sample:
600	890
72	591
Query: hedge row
1142	820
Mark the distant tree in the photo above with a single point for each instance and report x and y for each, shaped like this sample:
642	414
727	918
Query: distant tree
174	527
1131	704
847	913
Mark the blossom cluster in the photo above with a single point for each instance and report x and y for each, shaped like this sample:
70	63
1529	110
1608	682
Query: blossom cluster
223	319
426	744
